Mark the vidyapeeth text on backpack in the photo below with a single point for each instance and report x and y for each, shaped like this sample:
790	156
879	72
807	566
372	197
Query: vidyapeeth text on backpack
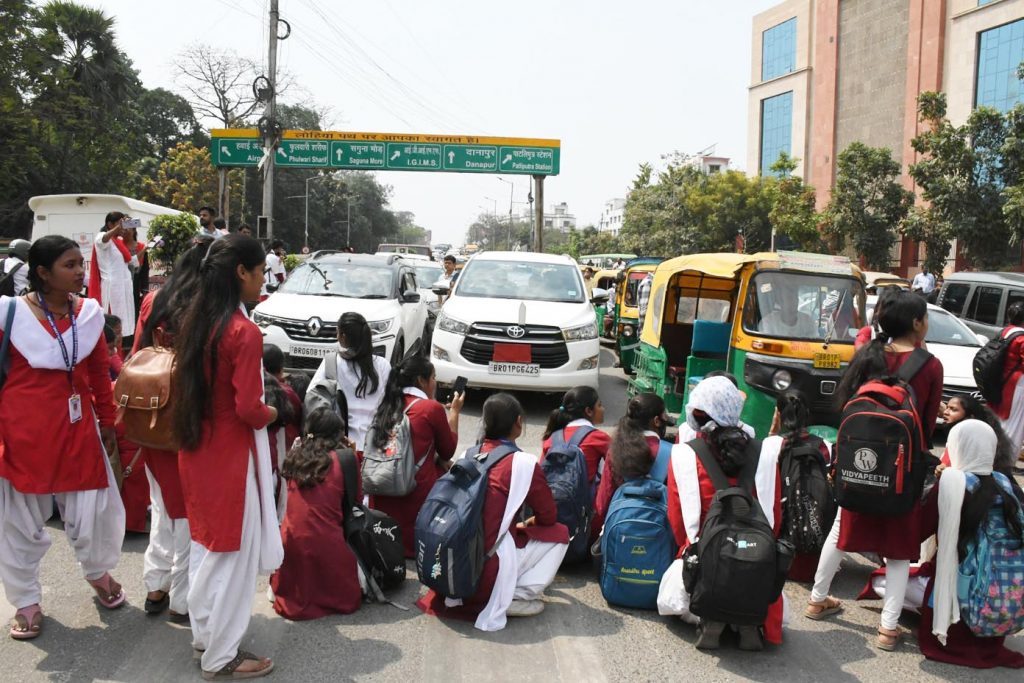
450	552
990	584
391	471
637	544
808	506
990	374
565	468
880	448
736	569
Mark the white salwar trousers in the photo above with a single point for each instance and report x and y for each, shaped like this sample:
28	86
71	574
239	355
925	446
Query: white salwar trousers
1014	425
221	588
165	564
93	522
538	564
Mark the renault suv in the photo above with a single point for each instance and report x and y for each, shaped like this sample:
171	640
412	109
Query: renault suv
517	320
301	317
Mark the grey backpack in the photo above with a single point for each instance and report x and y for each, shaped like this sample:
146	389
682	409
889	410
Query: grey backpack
391	471
327	394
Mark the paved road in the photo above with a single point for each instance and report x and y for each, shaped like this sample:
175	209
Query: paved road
578	637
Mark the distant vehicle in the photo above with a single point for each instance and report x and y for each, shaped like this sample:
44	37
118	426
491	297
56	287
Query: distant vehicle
470	249
874	280
410	250
604	260
80	216
301	317
982	299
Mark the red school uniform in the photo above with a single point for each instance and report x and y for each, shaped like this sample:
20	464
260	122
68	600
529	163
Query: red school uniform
431	436
547	530
43	451
1013	370
595	447
611	482
213	474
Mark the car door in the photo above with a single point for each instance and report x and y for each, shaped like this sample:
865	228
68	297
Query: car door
984	309
414	314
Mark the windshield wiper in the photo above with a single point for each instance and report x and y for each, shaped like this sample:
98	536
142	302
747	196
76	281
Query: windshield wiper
321	273
325	294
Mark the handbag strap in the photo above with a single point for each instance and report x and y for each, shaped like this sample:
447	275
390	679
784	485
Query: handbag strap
5	346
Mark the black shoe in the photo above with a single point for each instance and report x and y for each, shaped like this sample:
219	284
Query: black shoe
750	638
176	618
710	634
157	606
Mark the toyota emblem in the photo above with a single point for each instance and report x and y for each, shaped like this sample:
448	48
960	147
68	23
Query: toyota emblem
515	331
313	326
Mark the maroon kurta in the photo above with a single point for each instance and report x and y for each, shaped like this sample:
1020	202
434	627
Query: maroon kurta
1013	370
595	447
611	482
897	538
318	576
213	474
431	435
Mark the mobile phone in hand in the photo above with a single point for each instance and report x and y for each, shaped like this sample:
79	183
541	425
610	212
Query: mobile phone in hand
459	387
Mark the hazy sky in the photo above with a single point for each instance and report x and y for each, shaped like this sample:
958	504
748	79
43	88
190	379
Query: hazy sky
619	83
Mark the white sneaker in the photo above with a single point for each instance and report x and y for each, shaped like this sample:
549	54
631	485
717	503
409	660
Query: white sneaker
525	608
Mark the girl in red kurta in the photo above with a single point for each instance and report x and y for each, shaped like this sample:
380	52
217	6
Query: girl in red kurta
904	322
319	575
713	411
514	578
57	389
220	418
1010	407
435	434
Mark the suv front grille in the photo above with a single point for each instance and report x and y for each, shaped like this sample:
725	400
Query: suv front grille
547	345
297	330
302	363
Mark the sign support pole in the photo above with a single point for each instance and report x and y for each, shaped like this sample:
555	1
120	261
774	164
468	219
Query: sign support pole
538	235
269	142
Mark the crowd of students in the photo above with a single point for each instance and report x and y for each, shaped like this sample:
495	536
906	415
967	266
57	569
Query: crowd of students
258	481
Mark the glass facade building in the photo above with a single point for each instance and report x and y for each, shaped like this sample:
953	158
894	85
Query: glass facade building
1000	52
778	50
776	129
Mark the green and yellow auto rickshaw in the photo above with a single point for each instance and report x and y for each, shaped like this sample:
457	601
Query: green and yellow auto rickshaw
776	321
627	313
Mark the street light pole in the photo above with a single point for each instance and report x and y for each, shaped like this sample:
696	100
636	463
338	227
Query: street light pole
511	198
494	221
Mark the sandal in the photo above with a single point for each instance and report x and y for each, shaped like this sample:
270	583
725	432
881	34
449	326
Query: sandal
230	670
108	591
159	605
28	623
821	610
888	641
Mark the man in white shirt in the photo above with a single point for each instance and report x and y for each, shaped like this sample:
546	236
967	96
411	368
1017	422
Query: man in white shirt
274	270
206	216
114	262
17	262
924	282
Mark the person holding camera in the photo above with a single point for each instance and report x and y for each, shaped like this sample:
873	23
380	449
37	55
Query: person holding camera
110	271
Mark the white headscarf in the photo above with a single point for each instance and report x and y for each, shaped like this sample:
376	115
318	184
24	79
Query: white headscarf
719	398
972	448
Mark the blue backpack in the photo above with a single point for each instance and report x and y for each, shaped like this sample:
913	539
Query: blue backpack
637	544
990	585
449	532
565	469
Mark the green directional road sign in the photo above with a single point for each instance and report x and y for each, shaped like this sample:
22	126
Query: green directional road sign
306	153
237	152
471	158
532	160
414	156
358	155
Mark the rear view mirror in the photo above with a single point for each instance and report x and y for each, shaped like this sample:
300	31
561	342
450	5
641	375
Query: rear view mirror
412	297
599	296
441	287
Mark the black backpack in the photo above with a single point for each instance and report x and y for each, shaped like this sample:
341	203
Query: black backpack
374	537
808	505
7	280
736	569
881	448
990	366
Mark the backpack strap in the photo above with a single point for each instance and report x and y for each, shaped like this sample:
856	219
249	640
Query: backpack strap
711	466
419	461
659	470
913	365
578	436
5	346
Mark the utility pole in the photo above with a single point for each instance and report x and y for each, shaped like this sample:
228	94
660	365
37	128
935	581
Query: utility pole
538	235
270	128
511	198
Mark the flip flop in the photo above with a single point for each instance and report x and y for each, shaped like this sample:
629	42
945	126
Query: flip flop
825	609
888	641
106	593
229	671
28	623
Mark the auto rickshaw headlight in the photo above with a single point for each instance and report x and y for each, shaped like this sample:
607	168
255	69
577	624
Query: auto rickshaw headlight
627	331
781	380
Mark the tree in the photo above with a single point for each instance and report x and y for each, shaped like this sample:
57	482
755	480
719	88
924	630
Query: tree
219	84
166	120
793	214
868	203
185	180
176	233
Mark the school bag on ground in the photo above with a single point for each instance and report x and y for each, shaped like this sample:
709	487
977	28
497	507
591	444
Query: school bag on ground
391	471
327	394
880	447
990	366
374	537
450	552
565	468
808	506
736	569
637	544
990	583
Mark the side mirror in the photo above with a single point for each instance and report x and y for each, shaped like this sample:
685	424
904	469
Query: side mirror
982	339
412	297
441	287
599	296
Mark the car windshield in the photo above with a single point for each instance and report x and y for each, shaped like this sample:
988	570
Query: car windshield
943	328
519	280
806	306
427	275
351	280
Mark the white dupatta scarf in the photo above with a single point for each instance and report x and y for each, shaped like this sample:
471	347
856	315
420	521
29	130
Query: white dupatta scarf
34	341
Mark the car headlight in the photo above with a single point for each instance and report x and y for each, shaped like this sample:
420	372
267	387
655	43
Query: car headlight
447	323
260	319
581	332
381	326
781	380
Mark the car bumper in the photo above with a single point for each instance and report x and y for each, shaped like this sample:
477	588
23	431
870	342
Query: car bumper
449	364
296	358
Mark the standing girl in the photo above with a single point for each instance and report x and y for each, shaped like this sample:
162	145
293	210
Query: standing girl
435	435
220	418
904	326
57	388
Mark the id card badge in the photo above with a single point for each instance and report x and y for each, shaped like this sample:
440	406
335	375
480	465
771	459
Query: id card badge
75	408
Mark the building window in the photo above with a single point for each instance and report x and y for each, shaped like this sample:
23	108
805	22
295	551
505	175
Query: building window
984	2
776	129
778	50
1000	52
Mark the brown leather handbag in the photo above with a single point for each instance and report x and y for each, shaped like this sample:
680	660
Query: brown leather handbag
143	391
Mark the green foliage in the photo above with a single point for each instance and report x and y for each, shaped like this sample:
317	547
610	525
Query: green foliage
793	211
868	203
291	261
176	232
924	226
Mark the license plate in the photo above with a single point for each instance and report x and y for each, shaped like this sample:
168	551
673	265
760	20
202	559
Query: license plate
522	369
826	361
312	351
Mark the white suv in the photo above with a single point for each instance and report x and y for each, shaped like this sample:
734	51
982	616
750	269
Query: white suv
301	317
518	320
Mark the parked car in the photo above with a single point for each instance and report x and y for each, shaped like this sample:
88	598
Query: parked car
981	299
953	343
517	320
301	316
416	251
